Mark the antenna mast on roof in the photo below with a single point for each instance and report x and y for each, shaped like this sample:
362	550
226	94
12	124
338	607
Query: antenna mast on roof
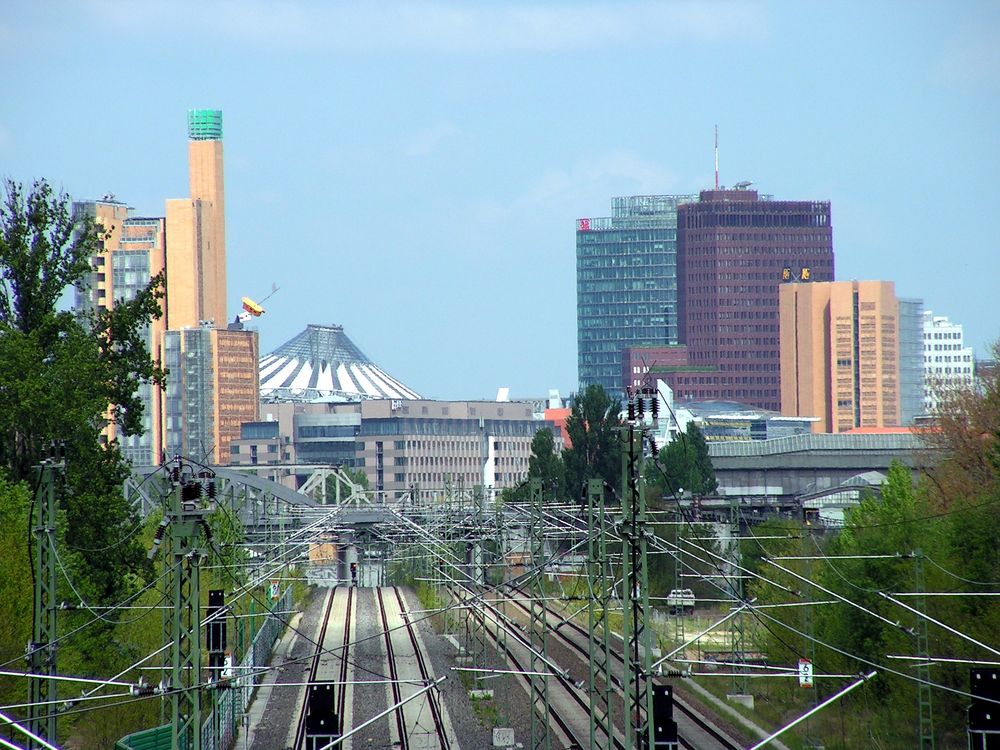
716	157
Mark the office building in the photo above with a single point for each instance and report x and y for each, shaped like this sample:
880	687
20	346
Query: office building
212	383
212	380
211	390
911	360
398	443
734	247
131	251
947	361
840	354
626	284
640	364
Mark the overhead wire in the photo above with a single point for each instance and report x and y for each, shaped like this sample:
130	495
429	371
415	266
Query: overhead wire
139	525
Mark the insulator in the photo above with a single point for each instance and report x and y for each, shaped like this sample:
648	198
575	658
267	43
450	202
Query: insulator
191	491
211	489
160	531
655	407
639	408
631	412
141	689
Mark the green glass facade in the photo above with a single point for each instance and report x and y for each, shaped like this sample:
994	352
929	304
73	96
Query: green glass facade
205	124
626	284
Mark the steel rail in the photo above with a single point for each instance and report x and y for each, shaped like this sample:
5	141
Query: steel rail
424	672
300	732
688	711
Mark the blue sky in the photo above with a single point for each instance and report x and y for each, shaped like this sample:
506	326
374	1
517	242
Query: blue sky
414	170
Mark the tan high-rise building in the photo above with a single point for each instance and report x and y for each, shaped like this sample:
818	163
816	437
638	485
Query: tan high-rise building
196	230
213	385
132	251
840	353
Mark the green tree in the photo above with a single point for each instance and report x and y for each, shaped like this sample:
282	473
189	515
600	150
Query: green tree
356	476
593	429
546	464
684	463
15	584
64	376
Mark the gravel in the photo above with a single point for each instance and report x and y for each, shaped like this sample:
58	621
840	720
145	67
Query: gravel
367	654
271	731
509	705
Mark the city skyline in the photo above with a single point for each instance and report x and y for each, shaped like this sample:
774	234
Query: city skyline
441	160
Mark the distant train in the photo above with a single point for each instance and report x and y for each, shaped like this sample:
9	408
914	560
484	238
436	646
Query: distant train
680	601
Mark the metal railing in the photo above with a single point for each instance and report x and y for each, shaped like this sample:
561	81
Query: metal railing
218	732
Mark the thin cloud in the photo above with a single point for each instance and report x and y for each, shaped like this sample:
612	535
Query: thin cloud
970	59
580	187
617	173
427	140
447	28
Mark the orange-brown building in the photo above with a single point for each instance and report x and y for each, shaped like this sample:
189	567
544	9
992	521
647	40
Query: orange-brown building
212	389
840	353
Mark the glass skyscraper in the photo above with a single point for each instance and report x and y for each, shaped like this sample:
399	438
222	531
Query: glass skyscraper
626	284
911	359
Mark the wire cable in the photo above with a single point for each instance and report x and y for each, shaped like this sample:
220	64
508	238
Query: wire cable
958	577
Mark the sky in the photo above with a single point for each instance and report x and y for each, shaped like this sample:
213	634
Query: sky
414	170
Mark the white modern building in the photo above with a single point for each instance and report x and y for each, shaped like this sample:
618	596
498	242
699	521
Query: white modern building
948	362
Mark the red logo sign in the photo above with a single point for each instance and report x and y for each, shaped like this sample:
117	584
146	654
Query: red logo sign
583	225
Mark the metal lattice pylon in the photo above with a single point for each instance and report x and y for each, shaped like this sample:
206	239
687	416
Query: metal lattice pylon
41	652
539	623
600	583
926	725
478	640
809	649
637	636
678	608
736	590
185	522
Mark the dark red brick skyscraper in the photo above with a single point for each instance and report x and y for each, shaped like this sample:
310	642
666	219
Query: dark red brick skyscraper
733	248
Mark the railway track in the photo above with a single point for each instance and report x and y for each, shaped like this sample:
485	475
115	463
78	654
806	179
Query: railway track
576	698
316	663
580	644
402	649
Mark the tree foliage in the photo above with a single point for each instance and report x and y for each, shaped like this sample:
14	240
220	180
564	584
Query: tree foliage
64	376
684	463
593	429
546	463
962	437
43	250
15	583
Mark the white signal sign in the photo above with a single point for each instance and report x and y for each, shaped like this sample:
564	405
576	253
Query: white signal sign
273	590
805	673
503	737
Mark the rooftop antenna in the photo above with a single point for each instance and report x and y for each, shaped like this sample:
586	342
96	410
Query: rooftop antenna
716	157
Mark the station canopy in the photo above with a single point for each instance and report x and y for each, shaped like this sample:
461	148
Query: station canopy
323	364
